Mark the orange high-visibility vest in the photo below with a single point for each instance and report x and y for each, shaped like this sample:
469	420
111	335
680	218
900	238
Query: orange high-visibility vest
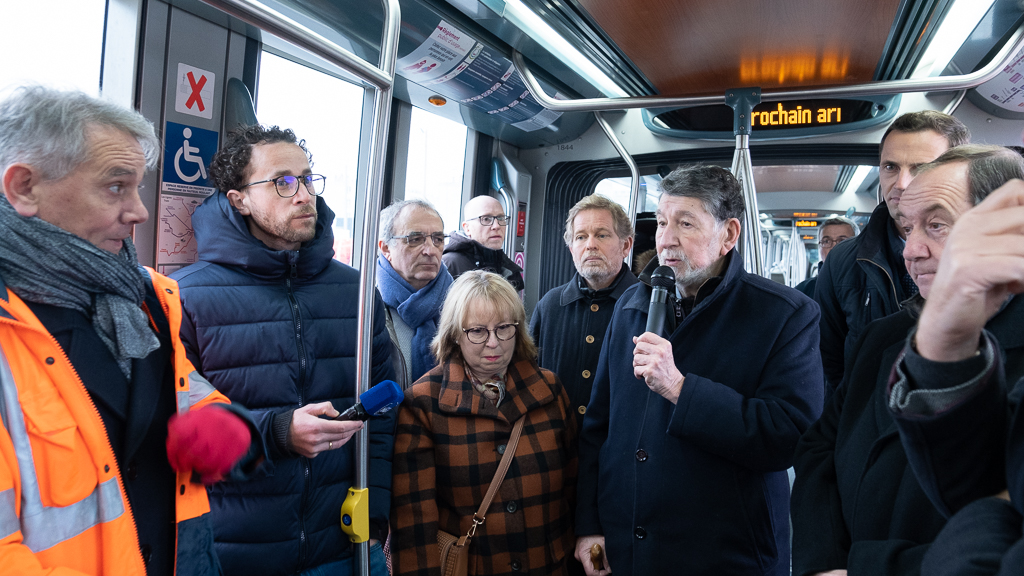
62	501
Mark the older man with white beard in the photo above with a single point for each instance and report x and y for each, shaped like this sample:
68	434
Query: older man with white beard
696	459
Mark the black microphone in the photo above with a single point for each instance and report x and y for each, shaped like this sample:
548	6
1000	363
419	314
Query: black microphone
661	280
374	402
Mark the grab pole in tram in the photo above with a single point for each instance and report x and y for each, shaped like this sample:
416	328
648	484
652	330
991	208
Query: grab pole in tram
367	266
742	102
634	172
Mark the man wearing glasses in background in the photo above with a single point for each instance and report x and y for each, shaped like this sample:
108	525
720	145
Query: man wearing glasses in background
413	283
478	246
270	318
832	232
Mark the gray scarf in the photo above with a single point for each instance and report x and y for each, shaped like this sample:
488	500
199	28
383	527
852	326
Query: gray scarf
44	264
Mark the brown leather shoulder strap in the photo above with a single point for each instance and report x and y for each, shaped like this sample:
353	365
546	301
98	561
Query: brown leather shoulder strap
499	476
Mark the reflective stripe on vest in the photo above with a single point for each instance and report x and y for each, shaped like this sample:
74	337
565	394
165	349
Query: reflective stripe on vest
43	527
8	519
198	390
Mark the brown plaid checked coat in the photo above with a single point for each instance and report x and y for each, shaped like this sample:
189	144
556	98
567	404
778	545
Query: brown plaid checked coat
448	444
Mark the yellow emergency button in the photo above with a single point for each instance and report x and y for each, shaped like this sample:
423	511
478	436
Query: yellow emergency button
586	373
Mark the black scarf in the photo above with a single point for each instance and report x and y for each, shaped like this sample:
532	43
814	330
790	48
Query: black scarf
45	264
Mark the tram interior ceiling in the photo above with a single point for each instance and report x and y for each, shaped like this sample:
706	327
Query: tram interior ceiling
523	72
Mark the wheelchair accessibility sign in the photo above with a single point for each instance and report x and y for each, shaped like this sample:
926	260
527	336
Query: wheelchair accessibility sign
187	155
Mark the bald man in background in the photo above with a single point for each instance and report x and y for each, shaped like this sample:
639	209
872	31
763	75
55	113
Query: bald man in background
478	245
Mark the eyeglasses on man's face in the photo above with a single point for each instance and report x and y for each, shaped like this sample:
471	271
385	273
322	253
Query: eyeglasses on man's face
414	239
488	220
479	334
288	186
827	242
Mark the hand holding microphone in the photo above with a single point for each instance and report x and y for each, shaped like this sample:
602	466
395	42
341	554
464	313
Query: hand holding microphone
317	428
653	361
662	280
374	402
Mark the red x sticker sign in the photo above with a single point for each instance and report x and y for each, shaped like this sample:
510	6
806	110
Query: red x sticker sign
194	94
196	97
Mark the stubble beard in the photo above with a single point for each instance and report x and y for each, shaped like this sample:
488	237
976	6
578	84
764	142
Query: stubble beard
596	272
282	229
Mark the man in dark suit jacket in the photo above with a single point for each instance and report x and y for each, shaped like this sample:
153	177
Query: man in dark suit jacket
856	505
959	422
832	232
865	279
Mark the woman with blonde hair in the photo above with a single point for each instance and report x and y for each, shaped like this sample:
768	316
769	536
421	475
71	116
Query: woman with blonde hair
453	428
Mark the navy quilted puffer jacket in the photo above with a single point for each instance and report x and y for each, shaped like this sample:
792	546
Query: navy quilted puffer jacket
276	330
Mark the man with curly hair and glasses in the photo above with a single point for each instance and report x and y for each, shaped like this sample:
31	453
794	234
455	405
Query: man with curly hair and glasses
269	319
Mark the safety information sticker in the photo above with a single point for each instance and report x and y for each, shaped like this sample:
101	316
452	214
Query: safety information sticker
187	154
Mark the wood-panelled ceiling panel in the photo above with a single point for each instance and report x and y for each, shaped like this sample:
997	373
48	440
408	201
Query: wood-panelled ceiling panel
703	47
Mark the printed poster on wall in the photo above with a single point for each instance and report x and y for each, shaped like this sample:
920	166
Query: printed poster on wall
184	185
1006	90
459	68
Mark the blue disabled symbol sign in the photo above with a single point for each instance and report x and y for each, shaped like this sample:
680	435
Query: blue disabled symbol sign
187	154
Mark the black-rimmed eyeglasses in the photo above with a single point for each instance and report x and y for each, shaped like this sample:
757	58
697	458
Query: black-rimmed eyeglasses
288	186
479	334
488	220
827	242
418	238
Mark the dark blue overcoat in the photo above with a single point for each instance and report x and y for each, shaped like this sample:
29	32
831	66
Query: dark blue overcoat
700	487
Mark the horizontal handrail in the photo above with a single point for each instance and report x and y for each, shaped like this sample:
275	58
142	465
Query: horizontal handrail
276	23
938	83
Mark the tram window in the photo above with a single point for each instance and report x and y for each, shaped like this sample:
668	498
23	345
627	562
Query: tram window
324	111
57	43
434	164
618	189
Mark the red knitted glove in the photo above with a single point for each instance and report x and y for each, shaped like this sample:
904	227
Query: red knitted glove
208	441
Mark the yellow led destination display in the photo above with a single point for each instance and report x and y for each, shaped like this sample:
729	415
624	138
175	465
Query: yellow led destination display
796	115
808	116
806	224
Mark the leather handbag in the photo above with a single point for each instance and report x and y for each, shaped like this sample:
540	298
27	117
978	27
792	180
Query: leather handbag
455	549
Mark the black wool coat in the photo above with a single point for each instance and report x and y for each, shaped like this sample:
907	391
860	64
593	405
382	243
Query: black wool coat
700	487
972	448
568	327
857	284
857	504
463	254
